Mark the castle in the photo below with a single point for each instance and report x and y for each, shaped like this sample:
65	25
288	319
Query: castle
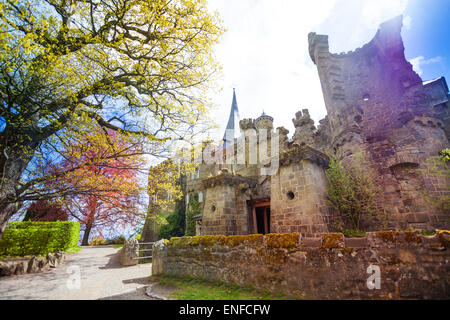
376	105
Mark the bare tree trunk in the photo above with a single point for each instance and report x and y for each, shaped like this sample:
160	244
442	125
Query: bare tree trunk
15	155
9	202
6	211
89	224
87	231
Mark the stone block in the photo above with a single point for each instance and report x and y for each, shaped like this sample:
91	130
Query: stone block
333	240
311	242
356	242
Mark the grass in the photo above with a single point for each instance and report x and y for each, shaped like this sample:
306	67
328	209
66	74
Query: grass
428	233
354	233
73	249
120	245
189	288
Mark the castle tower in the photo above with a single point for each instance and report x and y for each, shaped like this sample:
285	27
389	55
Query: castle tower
264	122
377	104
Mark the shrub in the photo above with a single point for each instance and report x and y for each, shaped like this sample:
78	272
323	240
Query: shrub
39	238
194	209
438	167
117	240
98	242
174	227
352	191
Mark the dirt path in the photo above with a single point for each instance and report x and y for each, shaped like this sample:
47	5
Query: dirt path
100	276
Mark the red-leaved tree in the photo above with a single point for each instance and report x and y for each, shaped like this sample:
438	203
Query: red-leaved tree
43	210
100	185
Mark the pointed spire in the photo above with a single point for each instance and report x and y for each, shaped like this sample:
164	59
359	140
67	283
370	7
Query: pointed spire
233	120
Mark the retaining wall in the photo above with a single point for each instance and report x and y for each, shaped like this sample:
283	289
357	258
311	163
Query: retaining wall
412	266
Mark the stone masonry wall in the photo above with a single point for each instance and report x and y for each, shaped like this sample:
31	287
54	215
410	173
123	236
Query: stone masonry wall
412	266
224	211
377	105
219	205
307	212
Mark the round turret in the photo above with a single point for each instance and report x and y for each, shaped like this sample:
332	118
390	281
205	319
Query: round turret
264	122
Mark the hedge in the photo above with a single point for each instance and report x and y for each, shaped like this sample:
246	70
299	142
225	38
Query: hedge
39	238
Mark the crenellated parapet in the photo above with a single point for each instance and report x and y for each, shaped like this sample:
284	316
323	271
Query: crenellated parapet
283	137
247	124
304	127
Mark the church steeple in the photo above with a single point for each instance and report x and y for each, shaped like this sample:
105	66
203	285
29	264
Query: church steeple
233	122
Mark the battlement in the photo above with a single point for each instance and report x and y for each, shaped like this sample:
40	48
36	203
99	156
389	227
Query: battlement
387	37
247	124
302	118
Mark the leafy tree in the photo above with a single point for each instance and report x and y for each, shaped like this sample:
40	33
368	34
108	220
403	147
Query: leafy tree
193	210
164	190
43	210
352	191
175	226
65	64
100	188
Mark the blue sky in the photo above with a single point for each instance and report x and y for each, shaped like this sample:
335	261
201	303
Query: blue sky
429	37
265	56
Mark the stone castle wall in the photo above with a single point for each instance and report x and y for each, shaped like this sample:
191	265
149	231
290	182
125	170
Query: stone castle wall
298	199
411	266
377	105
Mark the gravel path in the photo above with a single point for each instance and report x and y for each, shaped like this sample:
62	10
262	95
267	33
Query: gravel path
100	277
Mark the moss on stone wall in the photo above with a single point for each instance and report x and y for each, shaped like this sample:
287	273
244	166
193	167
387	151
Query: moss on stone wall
213	240
282	240
444	238
333	240
292	240
387	236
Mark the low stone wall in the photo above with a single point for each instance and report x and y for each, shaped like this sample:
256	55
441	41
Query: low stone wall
18	266
411	266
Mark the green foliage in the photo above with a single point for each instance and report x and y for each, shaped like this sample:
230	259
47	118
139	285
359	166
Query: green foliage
189	288
118	240
74	249
98	242
174	227
438	167
353	233
39	238
69	66
352	191
193	210
444	155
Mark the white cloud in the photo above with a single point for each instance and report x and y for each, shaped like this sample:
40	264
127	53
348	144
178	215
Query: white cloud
265	52
407	22
420	61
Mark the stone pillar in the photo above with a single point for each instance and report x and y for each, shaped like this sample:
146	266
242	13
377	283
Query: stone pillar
129	253
159	255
